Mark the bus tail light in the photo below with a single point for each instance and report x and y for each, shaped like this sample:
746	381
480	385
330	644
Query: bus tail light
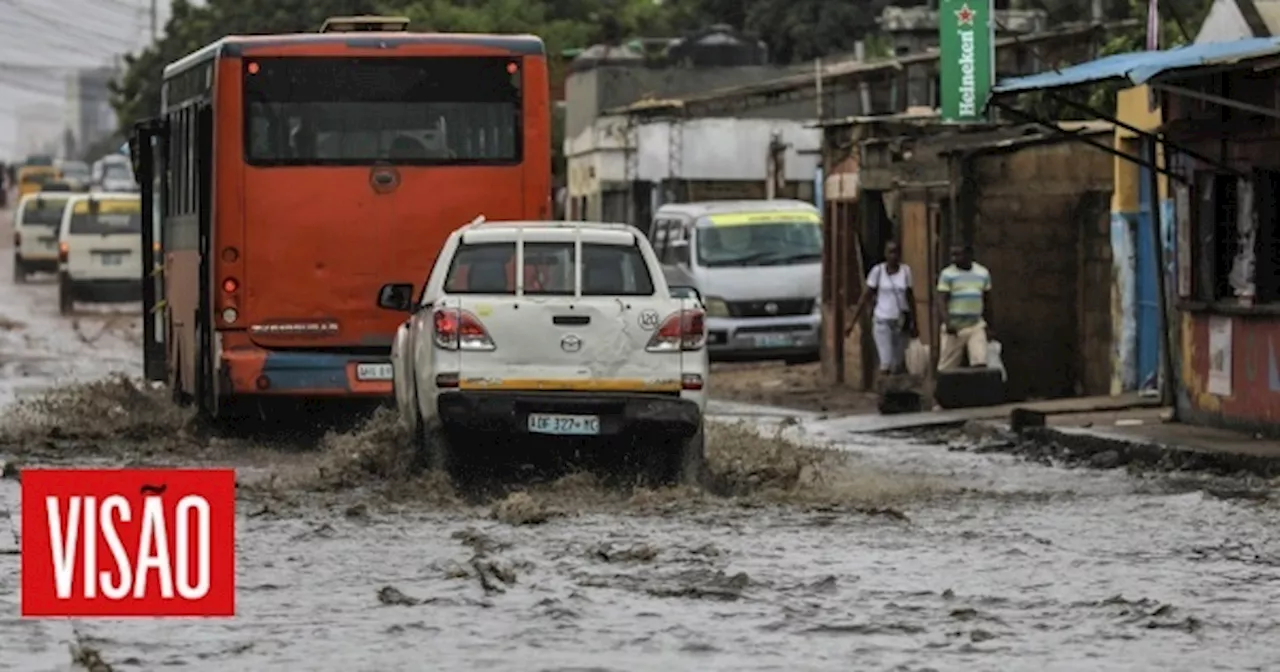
457	329
682	330
230	285
63	252
229	315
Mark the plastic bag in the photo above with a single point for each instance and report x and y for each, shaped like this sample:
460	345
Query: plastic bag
994	361
917	358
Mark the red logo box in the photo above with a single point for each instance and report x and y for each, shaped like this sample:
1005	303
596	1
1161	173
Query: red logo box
128	542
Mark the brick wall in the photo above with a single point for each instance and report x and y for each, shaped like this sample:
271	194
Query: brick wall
1031	209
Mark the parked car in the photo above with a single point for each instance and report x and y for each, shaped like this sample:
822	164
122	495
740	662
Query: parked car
100	250
565	330
75	174
114	174
758	266
35	233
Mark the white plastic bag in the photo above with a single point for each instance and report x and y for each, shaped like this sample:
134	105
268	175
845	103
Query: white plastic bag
994	360
917	358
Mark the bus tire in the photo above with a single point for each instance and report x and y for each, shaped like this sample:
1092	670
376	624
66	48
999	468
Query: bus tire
66	296
19	271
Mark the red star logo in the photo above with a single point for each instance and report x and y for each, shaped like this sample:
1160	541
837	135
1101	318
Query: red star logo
964	16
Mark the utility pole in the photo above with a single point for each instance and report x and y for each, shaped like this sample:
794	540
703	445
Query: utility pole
155	28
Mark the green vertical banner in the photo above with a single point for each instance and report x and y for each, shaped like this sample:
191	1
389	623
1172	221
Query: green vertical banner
966	49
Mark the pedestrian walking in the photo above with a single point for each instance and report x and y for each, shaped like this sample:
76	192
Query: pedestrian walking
964	309
889	285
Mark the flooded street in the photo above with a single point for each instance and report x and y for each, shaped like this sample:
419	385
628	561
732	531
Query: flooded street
886	554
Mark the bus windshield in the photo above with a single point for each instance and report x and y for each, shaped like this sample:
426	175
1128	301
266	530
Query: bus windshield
353	111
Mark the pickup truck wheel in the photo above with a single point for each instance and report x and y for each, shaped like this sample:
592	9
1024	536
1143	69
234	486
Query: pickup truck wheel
693	459
66	299
433	449
674	461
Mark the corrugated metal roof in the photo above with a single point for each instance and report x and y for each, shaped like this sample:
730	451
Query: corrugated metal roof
1141	66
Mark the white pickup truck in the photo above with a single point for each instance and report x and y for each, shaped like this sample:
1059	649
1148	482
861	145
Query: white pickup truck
562	330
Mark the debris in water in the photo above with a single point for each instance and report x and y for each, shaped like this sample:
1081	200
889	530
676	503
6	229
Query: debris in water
391	596
638	553
703	585
494	577
520	508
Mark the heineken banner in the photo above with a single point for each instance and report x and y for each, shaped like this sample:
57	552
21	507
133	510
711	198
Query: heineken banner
966	52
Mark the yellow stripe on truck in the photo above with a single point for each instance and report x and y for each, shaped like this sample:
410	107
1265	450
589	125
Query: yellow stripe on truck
558	385
772	217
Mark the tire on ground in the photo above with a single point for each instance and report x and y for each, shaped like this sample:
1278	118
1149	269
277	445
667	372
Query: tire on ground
433	451
674	461
19	271
66	299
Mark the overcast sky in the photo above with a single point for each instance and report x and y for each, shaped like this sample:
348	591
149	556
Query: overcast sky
42	40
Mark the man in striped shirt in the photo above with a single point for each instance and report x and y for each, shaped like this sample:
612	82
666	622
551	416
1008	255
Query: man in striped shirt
964	308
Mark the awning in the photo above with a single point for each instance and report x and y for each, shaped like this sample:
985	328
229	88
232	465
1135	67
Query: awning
1141	66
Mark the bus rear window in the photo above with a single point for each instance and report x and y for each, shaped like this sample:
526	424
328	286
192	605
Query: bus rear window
111	217
549	269
351	111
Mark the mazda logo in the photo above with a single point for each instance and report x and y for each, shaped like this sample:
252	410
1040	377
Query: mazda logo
571	343
771	308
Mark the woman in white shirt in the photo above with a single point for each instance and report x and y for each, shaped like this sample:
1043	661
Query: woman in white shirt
889	285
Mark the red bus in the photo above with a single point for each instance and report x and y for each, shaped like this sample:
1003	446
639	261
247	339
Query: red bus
289	176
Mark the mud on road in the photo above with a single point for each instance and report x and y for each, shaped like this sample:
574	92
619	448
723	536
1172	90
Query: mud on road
886	554
880	553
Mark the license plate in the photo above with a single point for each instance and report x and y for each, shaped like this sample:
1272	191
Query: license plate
373	372
111	258
773	340
564	425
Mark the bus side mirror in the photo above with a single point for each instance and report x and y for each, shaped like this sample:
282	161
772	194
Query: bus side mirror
397	296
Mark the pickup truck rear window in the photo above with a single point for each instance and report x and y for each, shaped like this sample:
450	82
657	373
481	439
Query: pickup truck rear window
549	270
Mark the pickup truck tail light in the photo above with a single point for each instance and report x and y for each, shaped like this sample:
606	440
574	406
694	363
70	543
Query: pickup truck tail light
63	252
457	329
682	330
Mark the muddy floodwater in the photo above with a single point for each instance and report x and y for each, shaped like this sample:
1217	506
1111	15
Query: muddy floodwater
887	554
883	554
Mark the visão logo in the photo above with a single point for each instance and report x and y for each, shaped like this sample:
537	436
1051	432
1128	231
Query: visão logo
128	542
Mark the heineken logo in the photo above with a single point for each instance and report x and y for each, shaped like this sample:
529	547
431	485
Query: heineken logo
965	58
968	70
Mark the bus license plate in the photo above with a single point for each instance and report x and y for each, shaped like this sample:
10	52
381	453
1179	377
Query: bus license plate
564	425
373	372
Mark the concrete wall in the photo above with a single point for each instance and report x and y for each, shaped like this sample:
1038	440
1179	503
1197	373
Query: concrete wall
706	150
1129	221
1039	224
